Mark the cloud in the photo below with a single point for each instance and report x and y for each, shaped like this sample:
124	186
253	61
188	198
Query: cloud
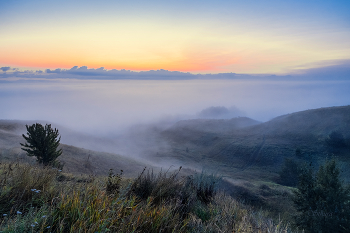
334	70
56	71
327	70
84	72
6	68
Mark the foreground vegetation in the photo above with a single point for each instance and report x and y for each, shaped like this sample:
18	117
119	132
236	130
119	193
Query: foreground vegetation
43	199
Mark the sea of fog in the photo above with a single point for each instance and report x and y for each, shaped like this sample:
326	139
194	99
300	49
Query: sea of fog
109	106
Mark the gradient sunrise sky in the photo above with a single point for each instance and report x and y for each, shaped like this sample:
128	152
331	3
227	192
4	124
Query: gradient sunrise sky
261	36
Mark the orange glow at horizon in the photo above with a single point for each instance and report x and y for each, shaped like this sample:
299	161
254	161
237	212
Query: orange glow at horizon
190	61
142	46
176	66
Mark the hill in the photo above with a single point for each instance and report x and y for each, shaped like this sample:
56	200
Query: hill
77	160
247	153
239	147
257	150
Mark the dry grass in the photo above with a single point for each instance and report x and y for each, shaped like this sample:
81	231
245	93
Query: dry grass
24	186
160	202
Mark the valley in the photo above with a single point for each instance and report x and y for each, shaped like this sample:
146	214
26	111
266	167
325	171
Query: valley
248	154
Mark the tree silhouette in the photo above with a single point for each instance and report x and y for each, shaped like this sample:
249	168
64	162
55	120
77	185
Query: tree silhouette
42	142
335	142
289	173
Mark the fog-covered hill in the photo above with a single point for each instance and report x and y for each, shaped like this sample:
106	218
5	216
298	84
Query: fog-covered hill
239	147
212	145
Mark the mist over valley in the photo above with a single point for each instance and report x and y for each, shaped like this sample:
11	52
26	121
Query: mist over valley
246	130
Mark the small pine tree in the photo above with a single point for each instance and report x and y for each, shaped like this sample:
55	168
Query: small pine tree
322	200
335	142
42	142
305	199
289	173
298	152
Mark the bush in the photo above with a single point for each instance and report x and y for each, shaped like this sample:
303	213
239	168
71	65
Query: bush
322	200
113	182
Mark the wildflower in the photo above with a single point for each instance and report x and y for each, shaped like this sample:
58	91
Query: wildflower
48	227
59	170
4	215
37	191
36	223
32	225
44	216
18	212
33	190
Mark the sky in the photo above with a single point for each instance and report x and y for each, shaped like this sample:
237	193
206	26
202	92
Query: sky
200	37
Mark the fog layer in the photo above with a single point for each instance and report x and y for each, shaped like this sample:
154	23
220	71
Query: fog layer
104	107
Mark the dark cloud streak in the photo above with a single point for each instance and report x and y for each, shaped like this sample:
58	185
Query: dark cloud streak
84	72
5	68
339	70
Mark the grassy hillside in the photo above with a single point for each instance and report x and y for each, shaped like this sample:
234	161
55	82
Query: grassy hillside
248	154
37	199
259	149
76	160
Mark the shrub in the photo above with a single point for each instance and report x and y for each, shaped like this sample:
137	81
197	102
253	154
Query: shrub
113	182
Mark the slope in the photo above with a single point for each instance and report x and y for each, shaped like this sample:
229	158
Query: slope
258	147
76	160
